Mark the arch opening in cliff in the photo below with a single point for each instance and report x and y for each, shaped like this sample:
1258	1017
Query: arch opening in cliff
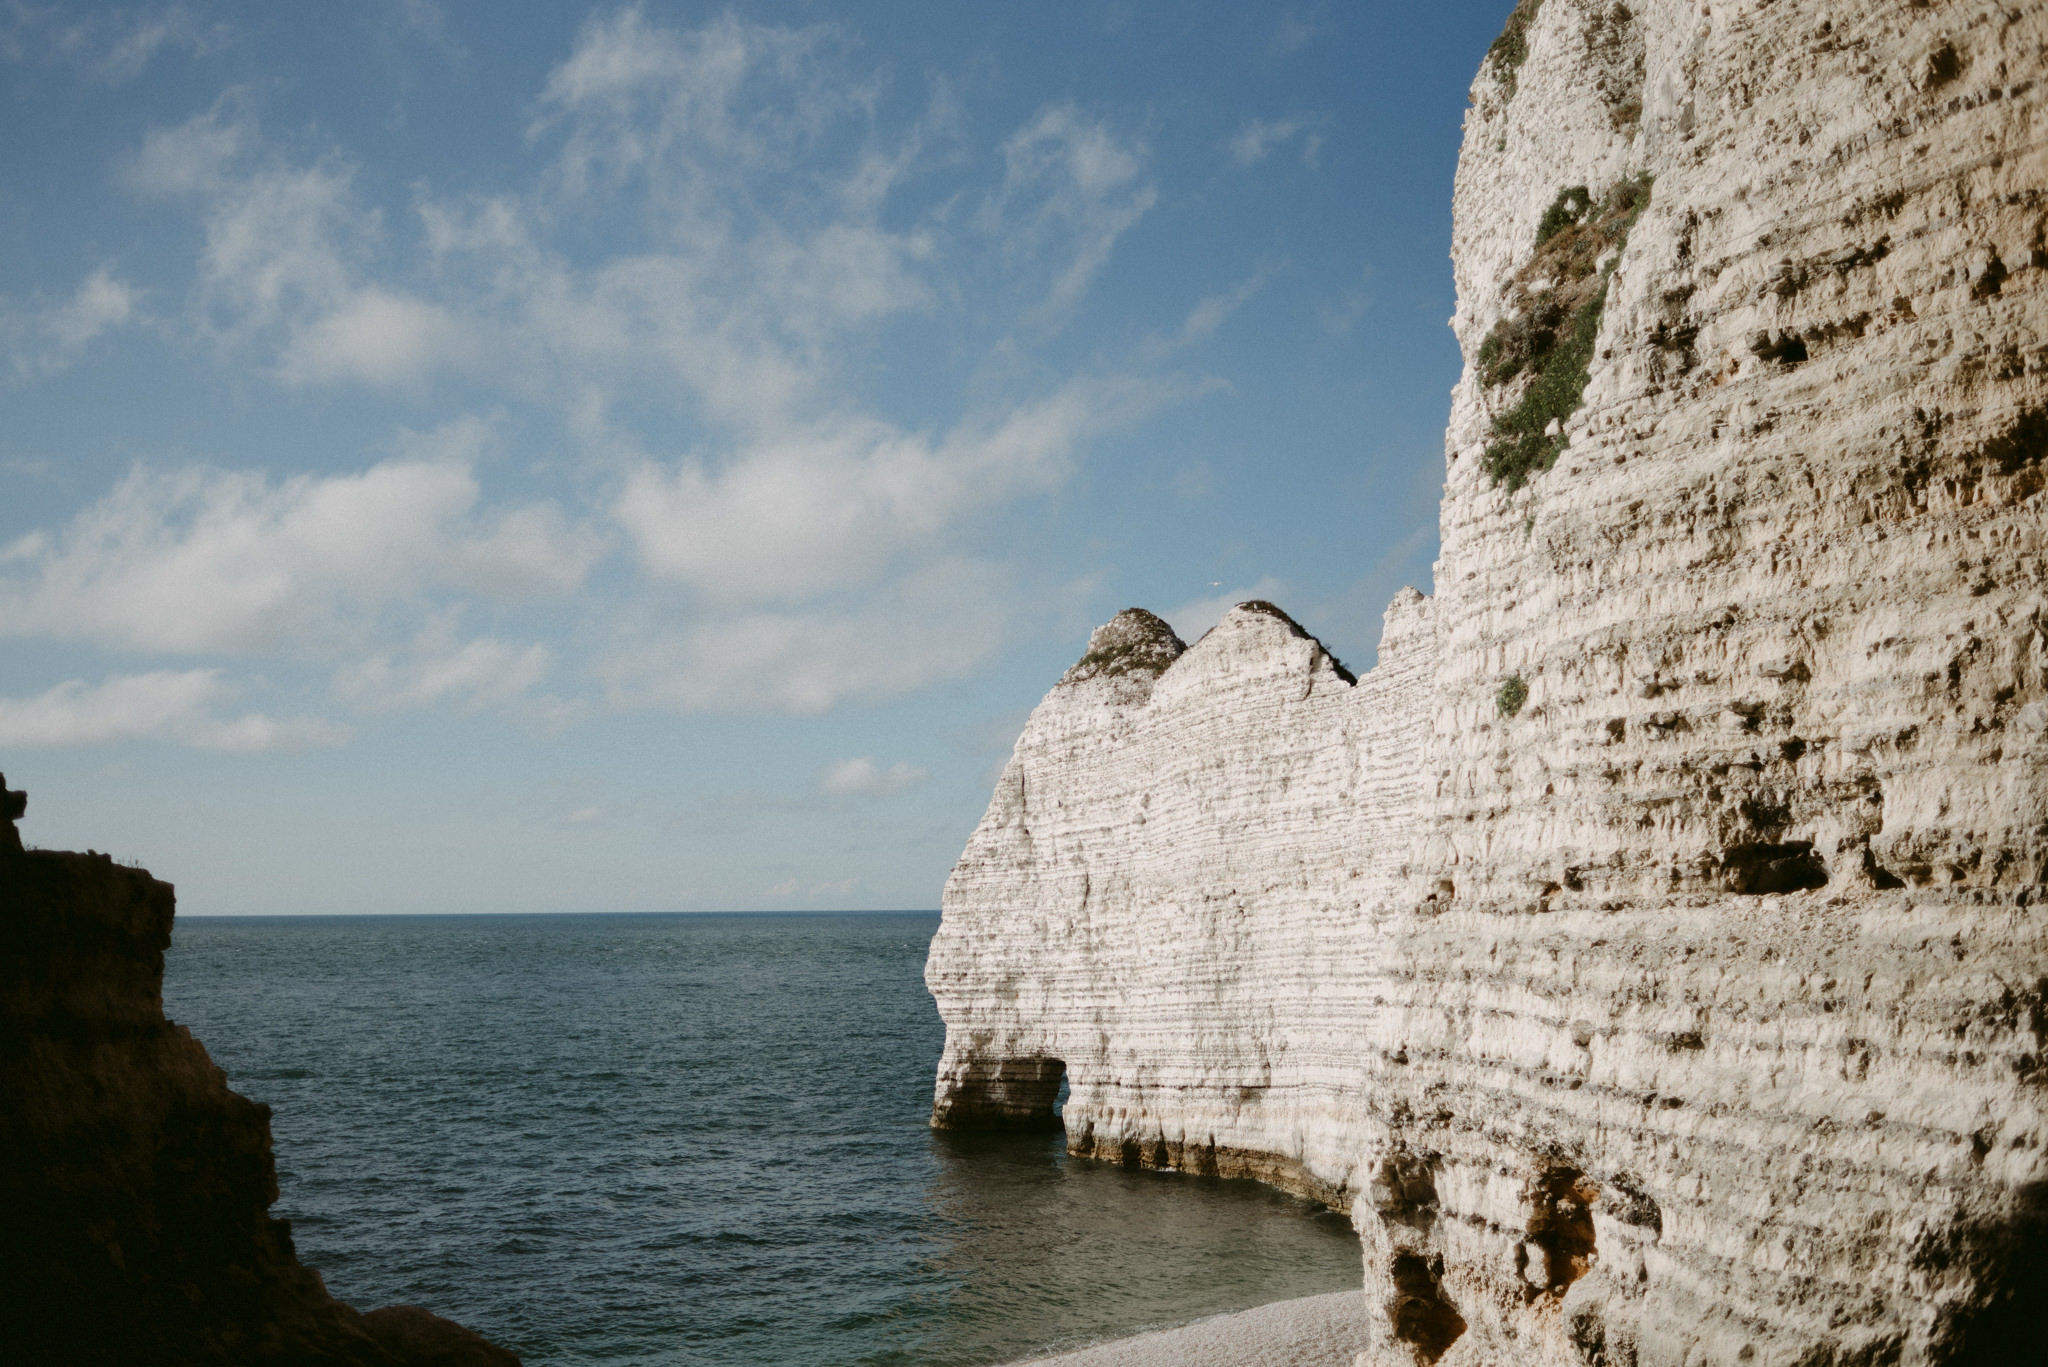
1004	1094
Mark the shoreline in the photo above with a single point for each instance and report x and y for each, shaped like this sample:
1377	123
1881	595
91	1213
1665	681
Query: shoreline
1309	1331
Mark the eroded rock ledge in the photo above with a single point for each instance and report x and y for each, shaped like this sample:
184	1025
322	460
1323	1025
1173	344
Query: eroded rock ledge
135	1187
1651	951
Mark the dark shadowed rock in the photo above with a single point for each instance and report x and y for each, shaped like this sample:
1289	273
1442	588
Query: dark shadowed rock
135	1187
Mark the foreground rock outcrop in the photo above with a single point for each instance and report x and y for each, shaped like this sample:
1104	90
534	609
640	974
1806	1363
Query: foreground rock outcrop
134	1186
1651	950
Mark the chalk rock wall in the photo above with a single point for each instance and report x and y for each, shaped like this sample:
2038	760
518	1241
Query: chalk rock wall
1694	1009
134	1186
1173	859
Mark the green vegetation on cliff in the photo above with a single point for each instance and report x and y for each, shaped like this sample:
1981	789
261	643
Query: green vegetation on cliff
1511	49
1548	335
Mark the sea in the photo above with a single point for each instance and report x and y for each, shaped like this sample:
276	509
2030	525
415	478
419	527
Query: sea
692	1139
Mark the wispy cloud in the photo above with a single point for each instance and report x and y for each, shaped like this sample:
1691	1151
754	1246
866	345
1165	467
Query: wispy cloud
719	223
43	341
427	22
1294	31
1341	311
179	707
1072	186
863	777
438	667
939	621
841	503
1260	138
203	560
284	267
108	45
1208	314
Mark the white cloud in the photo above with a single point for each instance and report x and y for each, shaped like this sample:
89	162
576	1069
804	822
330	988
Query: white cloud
102	302
1071	188
45	341
172	706
1208	314
1191	619
203	560
288	248
833	507
276	245
379	338
192	157
747	160
719	231
133	39
864	778
644	100
478	673
760	244
939	622
753	260
1257	140
765	242
113	46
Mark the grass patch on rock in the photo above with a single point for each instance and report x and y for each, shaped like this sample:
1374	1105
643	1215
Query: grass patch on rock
1513	693
1132	642
1545	343
1511	49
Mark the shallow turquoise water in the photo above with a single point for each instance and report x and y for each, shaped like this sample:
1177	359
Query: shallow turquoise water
692	1139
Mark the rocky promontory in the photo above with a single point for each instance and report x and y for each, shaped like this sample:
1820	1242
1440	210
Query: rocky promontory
135	1187
1651	951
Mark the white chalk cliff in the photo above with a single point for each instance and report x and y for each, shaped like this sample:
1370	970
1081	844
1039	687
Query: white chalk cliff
1651	951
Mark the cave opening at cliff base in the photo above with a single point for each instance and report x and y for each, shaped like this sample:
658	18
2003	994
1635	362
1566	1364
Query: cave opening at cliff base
1009	1094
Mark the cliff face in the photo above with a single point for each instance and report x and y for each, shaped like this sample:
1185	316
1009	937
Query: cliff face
1651	950
1165	876
134	1186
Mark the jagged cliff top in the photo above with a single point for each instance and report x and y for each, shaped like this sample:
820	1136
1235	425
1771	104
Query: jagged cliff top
1141	645
1653	951
1261	608
1132	642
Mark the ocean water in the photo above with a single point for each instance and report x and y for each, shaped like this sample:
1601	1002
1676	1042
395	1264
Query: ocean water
692	1140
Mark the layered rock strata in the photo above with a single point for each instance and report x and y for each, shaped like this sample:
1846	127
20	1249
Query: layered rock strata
1650	951
1150	901
134	1185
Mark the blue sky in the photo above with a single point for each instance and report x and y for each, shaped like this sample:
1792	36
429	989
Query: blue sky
518	457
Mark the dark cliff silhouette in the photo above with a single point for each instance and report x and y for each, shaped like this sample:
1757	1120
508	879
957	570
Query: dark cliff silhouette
135	1187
